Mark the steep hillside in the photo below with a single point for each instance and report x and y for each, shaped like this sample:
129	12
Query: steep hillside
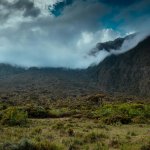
126	73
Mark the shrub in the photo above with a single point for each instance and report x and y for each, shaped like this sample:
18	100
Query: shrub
117	119
36	111
14	116
124	113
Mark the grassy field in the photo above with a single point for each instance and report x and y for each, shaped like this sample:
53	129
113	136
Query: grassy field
70	134
75	125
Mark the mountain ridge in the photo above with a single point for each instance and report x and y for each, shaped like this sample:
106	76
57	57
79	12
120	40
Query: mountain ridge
111	45
132	66
126	73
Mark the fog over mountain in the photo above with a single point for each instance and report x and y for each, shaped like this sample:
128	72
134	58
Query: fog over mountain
62	33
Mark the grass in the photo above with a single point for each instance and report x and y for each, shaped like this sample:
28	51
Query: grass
132	136
73	126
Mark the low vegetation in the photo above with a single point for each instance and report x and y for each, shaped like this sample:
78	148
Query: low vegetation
13	116
86	124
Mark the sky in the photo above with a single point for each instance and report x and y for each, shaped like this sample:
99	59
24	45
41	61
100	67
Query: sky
61	33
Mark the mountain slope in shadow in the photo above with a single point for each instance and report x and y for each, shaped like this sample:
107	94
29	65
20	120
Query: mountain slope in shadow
126	73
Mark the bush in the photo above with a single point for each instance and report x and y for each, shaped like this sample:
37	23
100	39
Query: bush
124	113
36	111
14	116
117	119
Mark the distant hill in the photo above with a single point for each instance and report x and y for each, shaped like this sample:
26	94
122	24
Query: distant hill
127	73
36	83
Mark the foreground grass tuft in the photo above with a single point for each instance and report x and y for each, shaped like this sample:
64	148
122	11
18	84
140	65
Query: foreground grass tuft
13	116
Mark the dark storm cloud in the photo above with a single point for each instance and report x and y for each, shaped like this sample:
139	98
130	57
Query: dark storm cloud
20	5
28	6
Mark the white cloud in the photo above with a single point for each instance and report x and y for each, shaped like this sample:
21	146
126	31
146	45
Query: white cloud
35	48
130	43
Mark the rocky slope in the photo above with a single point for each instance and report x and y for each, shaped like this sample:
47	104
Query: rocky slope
126	73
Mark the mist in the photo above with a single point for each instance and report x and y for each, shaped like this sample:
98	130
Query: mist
131	43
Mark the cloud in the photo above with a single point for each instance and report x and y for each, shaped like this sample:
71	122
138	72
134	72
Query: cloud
30	35
43	50
26	6
130	43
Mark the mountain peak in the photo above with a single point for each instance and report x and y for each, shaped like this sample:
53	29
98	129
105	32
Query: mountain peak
111	45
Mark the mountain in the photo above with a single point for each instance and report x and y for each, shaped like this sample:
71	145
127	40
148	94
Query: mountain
111	45
127	73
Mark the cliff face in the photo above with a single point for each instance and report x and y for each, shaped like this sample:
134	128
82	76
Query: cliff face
126	73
